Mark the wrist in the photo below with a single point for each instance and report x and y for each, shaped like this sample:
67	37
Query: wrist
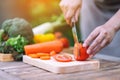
113	25
114	22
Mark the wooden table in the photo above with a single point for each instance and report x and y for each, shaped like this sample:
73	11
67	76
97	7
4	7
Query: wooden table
109	70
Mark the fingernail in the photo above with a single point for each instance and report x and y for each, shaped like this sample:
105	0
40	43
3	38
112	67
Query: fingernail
84	45
88	51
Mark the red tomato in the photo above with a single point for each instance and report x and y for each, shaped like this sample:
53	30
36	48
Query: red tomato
63	57
78	48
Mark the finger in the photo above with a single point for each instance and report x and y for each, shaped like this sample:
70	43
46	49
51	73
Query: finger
64	10
69	15
99	47
96	50
96	42
61	6
104	43
64	7
64	14
77	14
90	38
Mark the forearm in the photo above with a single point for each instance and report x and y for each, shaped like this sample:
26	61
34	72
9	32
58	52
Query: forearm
114	22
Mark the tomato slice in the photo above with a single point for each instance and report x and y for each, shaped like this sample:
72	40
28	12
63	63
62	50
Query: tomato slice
63	57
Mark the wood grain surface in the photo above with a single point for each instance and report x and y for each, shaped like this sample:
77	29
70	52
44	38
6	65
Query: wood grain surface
109	70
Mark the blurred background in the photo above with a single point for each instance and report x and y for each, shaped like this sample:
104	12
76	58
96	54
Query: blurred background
36	12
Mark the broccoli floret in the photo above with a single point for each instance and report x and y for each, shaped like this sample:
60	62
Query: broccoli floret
18	26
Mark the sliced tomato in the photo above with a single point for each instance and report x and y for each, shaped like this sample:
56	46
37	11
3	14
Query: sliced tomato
84	55
80	53
63	57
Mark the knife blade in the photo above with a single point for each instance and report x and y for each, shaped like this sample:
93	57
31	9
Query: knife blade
76	41
74	31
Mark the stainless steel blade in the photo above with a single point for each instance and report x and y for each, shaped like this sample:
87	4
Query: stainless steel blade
74	31
75	36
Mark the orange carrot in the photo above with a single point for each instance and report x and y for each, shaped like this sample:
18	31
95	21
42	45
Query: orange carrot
45	57
33	55
43	54
45	47
52	53
65	42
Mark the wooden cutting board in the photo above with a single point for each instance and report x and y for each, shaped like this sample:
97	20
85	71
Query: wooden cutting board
62	67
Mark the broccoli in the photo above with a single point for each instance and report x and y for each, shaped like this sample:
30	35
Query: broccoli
14	35
17	43
18	26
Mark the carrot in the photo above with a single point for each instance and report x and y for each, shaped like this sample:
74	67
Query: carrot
65	42
45	57
45	47
33	55
52	53
43	54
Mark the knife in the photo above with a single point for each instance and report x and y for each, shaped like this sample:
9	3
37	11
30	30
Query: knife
74	32
76	41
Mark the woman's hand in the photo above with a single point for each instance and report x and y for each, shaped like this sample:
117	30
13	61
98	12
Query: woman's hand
99	38
102	35
70	8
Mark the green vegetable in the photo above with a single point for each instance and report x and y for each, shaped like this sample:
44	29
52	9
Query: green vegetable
14	35
17	43
1	34
6	49
18	26
14	46
10	50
